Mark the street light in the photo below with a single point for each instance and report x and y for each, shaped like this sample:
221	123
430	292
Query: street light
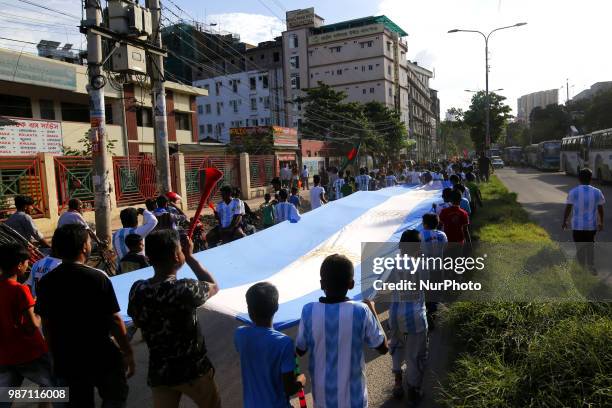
495	90
487	102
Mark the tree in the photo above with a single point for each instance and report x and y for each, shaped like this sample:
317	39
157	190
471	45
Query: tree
474	117
85	141
455	134
517	134
389	132
598	114
549	123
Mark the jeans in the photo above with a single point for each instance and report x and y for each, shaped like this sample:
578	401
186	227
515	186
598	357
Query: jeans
38	371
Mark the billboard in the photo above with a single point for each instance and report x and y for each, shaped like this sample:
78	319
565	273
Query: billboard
300	18
30	136
281	136
28	69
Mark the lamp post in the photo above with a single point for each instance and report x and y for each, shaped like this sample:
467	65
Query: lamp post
487	102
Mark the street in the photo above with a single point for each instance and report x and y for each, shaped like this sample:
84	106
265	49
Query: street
543	195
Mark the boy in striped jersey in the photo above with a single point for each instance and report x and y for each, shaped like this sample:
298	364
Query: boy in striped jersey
408	329
40	269
334	330
337	187
284	210
362	181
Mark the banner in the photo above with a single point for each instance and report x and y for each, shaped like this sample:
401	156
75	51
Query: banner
30	136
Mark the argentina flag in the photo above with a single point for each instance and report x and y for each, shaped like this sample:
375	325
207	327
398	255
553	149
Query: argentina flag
289	255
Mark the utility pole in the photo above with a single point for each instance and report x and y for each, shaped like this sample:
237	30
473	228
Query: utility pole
162	155
567	91
97	119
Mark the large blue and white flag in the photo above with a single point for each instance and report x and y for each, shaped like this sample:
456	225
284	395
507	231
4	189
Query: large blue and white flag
289	255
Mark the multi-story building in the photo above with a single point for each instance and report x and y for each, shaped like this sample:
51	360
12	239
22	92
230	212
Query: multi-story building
593	90
251	98
422	120
527	103
365	58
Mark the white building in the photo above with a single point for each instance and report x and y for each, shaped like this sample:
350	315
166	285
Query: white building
251	98
541	99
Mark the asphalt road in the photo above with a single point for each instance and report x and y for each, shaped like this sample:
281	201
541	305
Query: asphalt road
543	195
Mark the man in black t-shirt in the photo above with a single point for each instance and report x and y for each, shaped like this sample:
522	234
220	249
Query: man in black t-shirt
80	313
484	167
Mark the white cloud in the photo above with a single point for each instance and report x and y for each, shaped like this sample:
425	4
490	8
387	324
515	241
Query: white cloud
563	39
253	28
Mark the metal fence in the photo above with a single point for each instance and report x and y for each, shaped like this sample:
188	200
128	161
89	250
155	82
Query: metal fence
21	175
73	178
229	165
135	179
262	170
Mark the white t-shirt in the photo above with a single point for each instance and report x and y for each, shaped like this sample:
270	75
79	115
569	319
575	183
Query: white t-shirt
40	269
315	196
71	217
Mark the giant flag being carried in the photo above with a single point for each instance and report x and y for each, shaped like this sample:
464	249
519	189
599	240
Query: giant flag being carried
289	255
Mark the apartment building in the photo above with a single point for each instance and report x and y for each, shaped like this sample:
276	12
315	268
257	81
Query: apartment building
244	99
527	103
422	116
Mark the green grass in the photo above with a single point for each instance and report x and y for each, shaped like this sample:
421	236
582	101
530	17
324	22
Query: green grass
528	353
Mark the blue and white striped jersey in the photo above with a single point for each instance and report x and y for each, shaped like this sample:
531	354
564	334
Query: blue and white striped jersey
363	182
338	188
408	317
227	212
390	180
40	269
585	199
149	222
334	334
286	211
433	242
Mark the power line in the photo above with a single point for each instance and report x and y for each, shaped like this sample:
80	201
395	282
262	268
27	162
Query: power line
49	8
29	10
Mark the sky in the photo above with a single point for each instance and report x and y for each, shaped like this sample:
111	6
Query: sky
563	38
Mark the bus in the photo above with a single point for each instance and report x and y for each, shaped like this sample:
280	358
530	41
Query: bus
513	155
571	154
593	150
549	155
531	155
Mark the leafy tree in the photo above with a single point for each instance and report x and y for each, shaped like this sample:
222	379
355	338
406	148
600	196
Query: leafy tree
598	114
389	132
549	123
517	134
455	134
86	151
474	117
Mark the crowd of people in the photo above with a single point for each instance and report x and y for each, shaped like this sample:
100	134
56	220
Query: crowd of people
62	327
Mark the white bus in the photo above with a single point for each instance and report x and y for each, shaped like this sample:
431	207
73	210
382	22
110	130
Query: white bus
571	154
593	151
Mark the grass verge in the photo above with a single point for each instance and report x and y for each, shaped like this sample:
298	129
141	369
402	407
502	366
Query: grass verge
526	354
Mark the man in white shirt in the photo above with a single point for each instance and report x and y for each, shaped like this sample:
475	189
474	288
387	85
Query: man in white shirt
229	215
304	177
129	220
585	205
73	215
317	194
285	174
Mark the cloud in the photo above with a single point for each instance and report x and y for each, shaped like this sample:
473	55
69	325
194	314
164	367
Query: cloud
563	39
253	28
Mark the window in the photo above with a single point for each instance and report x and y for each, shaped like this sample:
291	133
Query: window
207	87
73	112
255	122
371	90
264	82
293	41
234	106
47	110
295	81
108	114
370	67
209	129
363	91
363	68
266	102
235	85
253	103
144	117
338	72
219	107
388	45
389	69
200	110
253	83
18	106
294	62
275	56
218	87
390	92
266	121
262	56
201	129
208	108
335	49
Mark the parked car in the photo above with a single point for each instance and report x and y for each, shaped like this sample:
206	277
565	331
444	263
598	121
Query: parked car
497	162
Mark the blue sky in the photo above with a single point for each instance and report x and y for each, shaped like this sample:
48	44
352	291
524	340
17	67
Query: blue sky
563	38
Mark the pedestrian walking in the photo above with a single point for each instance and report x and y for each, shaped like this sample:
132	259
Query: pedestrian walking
585	206
284	210
305	178
317	194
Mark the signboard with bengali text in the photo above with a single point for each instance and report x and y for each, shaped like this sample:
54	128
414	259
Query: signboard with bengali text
344	34
281	136
300	18
31	136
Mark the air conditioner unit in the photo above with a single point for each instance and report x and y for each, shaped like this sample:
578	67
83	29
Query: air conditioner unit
130	59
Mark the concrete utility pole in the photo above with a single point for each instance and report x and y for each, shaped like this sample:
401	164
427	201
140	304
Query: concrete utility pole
97	119
162	155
